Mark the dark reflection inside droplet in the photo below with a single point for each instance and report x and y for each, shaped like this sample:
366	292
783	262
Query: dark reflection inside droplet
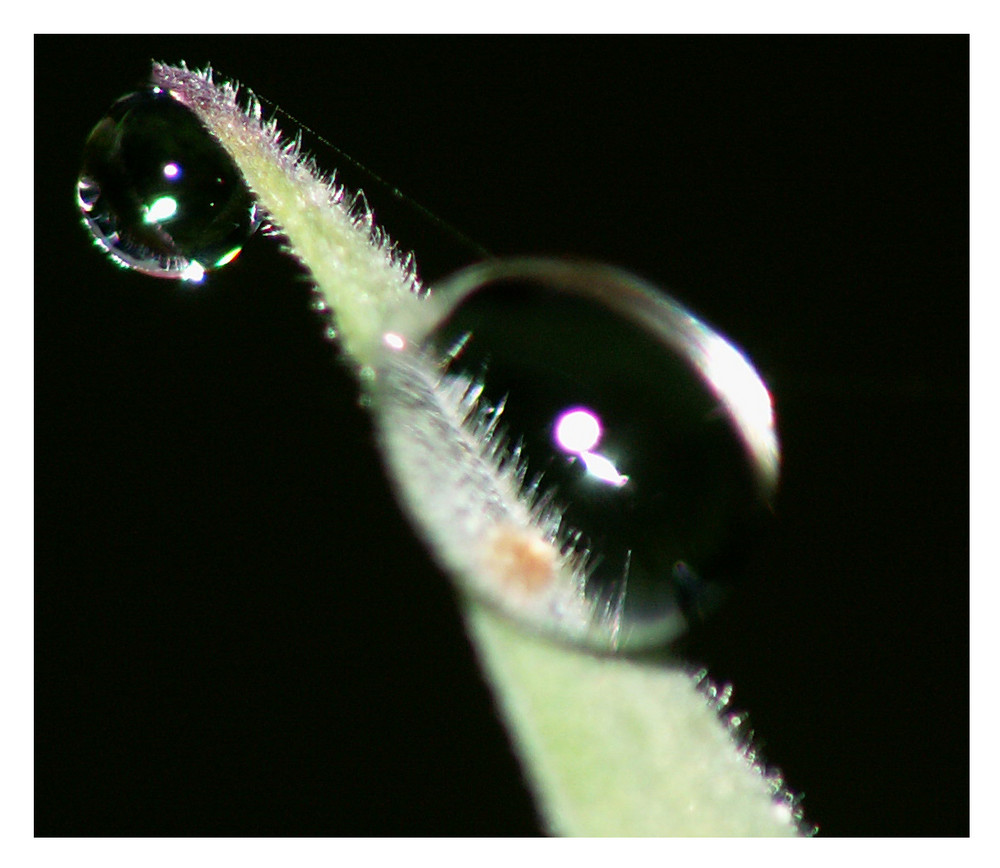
627	438
159	194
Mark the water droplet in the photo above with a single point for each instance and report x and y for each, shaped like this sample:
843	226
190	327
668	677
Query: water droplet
577	449
159	194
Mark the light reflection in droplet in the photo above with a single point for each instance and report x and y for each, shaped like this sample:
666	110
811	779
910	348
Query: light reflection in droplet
161	209
578	430
227	257
601	468
194	272
739	386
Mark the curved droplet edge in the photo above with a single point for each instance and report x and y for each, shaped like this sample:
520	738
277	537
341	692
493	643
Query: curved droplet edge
723	366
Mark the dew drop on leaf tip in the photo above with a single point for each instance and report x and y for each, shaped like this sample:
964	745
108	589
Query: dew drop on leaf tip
159	194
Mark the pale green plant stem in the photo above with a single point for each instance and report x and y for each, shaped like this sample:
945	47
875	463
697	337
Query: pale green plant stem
610	746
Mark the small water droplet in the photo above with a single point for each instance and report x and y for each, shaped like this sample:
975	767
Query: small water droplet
159	194
570	424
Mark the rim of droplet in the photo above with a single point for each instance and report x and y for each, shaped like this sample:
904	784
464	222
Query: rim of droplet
133	257
718	362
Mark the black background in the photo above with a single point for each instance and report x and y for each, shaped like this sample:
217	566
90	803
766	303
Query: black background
236	632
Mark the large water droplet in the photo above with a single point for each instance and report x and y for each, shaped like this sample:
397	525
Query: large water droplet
159	194
577	449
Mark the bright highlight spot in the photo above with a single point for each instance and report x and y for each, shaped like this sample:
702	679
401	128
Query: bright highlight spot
600	467
396	342
733	376
745	396
226	258
578	431
172	171
194	273
162	209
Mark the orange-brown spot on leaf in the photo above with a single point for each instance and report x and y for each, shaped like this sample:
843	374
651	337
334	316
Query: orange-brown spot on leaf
521	559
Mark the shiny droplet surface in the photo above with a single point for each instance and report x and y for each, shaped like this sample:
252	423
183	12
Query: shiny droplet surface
576	448
159	194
